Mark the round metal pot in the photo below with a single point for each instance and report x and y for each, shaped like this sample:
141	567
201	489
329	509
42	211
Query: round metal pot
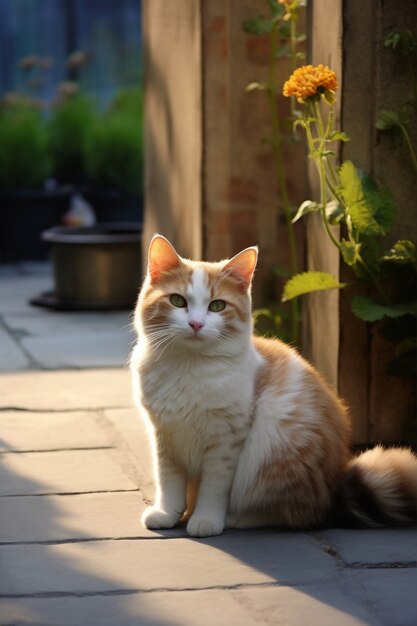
96	267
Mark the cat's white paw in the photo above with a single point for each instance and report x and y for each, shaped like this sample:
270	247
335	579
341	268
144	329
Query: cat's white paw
155	518
199	526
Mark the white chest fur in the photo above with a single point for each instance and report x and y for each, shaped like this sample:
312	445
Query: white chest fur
194	399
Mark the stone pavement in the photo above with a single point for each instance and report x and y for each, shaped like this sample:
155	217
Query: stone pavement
75	476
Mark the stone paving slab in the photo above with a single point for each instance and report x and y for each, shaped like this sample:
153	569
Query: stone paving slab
25	430
131	428
16	291
264	606
103	349
388	545
63	390
305	605
68	517
146	564
46	322
69	471
11	356
391	594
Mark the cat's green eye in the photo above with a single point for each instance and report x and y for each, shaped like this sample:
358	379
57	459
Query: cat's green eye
177	300
217	305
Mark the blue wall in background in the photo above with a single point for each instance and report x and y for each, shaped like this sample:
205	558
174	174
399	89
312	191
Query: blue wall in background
109	31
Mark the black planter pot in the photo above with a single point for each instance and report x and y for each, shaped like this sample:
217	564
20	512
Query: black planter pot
95	268
24	214
114	205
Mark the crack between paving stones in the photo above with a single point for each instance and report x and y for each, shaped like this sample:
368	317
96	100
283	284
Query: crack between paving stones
40	451
125	592
58	542
122	452
389	565
89	409
67	493
33	364
328	548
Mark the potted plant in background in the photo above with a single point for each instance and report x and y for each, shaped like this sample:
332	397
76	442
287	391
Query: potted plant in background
28	205
114	159
69	131
98	267
67	150
95	267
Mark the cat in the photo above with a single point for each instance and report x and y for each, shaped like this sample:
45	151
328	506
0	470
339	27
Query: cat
244	431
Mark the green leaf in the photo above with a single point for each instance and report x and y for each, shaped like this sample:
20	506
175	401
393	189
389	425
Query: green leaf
350	251
308	206
284	51
255	86
277	9
392	40
410	343
334	212
307	282
258	26
338	135
404	41
370	207
403	252
387	120
371	311
262	313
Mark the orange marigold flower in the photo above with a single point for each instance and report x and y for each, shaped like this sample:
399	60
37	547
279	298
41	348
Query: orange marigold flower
311	81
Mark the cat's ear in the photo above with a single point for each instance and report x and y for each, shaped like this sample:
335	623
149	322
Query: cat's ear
161	257
242	266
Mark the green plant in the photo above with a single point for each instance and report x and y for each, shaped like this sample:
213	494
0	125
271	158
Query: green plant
128	102
24	160
398	122
70	129
281	27
364	210
115	151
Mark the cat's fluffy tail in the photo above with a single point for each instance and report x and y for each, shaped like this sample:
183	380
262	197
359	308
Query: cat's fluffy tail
379	489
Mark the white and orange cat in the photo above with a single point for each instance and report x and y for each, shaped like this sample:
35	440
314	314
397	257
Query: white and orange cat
244	431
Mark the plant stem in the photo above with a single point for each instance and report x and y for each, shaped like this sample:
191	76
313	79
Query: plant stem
277	144
319	123
320	161
409	145
293	44
320	167
322	174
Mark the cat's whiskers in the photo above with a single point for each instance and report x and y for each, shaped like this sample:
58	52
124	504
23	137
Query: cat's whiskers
160	339
171	341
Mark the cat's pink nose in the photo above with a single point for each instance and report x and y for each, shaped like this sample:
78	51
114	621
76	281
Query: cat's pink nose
196	326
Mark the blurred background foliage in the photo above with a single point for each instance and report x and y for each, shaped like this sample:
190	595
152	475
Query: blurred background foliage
106	31
71	99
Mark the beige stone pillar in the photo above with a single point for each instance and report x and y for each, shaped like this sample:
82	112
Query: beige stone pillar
173	123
